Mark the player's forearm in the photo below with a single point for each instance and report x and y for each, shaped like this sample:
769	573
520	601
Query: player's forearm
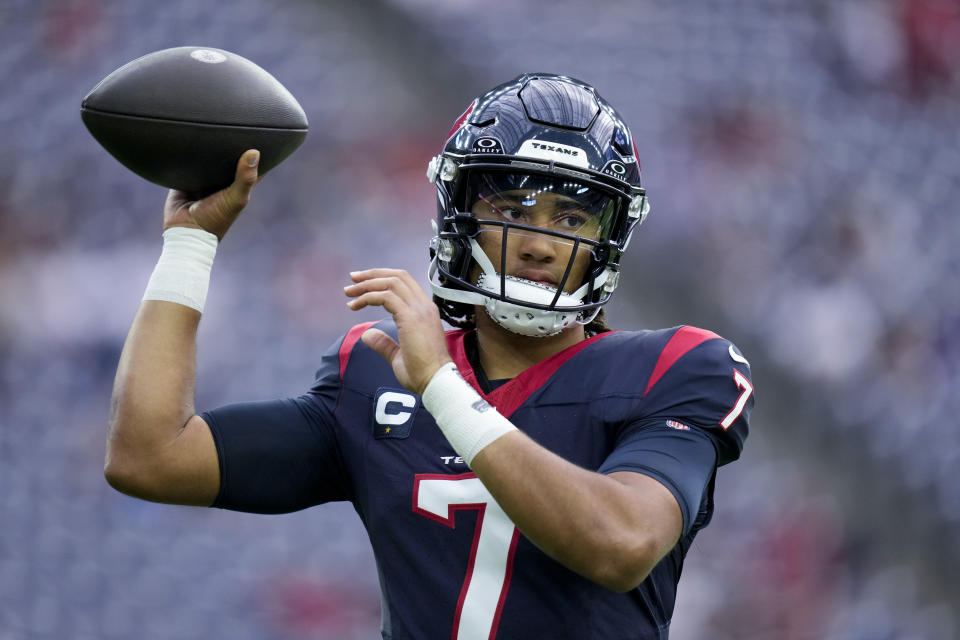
611	530
153	390
590	523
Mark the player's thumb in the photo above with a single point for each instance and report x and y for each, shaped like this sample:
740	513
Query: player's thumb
237	195
381	343
248	168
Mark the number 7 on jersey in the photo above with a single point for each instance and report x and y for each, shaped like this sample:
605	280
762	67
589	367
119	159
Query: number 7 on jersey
487	576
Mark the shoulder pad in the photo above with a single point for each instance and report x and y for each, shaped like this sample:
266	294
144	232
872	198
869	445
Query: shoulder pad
702	380
350	351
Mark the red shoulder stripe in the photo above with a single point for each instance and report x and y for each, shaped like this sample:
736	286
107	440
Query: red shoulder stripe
346	347
685	339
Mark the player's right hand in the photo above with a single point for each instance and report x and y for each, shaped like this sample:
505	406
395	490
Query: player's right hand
422	347
216	212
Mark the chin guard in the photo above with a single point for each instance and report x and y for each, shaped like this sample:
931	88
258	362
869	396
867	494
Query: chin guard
527	321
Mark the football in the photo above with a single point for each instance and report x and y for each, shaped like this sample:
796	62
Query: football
182	117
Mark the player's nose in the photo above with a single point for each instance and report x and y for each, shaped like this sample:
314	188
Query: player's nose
537	247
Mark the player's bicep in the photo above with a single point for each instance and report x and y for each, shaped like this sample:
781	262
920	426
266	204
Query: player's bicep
193	456
663	518
182	471
680	459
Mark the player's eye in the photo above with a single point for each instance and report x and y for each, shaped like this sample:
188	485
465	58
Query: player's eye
502	208
506	209
511	213
570	221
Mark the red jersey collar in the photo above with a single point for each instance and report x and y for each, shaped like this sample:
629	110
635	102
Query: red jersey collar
508	397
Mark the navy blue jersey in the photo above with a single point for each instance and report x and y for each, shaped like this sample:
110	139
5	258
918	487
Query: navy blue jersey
672	404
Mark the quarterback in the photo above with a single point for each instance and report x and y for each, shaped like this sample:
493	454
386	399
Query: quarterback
529	473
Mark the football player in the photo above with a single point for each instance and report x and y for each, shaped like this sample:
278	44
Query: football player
530	473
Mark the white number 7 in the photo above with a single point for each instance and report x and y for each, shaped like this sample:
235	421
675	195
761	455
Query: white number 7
487	579
742	383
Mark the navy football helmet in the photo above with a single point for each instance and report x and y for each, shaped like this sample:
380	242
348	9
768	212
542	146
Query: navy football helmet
540	143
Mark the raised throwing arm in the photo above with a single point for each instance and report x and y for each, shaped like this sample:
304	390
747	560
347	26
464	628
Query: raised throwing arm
157	448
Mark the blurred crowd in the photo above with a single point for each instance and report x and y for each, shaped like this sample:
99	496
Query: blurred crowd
801	158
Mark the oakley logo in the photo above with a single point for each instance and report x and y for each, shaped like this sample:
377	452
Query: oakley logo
487	145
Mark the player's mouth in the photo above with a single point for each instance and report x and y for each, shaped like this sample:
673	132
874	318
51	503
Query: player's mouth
537	275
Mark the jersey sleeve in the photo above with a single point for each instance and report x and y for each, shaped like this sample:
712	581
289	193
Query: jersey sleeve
682	461
708	388
692	418
282	455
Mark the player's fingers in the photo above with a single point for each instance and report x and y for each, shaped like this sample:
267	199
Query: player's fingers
397	280
218	211
246	177
392	283
386	299
401	275
247	167
231	200
176	200
237	195
410	285
381	343
380	272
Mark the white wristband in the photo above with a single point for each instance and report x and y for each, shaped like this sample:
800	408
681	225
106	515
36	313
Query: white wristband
467	421
182	274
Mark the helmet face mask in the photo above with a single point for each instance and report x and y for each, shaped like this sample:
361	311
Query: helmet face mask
539	179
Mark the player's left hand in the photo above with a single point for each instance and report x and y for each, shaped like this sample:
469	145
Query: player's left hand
422	347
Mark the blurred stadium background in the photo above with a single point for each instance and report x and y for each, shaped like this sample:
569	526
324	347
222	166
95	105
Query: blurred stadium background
802	159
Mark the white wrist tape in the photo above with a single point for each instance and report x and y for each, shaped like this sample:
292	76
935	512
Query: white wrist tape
467	420
182	274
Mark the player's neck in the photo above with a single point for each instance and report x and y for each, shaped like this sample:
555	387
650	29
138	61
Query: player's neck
504	354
